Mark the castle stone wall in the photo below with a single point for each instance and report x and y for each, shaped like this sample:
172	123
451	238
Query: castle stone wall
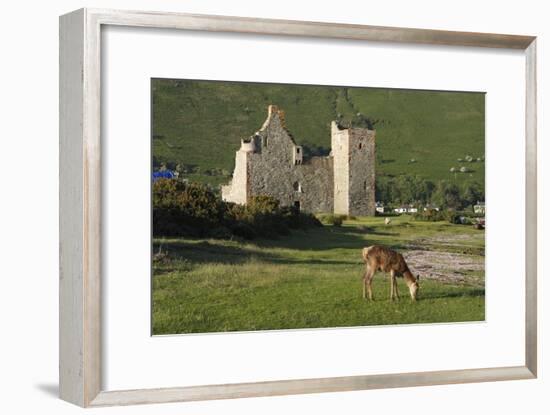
270	163
361	172
316	177
340	153
274	170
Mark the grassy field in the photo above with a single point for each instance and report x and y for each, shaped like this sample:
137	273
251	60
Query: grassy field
312	279
201	123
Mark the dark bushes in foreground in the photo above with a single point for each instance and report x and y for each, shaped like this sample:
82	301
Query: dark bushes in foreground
193	209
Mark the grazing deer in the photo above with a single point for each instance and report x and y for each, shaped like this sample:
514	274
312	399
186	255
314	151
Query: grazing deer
386	260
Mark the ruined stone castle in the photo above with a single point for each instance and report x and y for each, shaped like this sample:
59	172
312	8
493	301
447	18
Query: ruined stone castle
270	163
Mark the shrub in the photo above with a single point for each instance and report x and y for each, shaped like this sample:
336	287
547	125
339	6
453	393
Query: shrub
185	209
453	217
430	215
335	220
295	219
263	205
263	213
243	230
465	220
181	209
221	232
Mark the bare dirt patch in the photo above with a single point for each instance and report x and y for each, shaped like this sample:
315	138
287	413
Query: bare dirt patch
450	267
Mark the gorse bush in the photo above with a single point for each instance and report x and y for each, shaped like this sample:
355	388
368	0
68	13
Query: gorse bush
185	209
192	209
334	220
262	216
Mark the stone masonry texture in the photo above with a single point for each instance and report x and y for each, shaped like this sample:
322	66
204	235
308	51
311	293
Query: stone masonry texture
271	163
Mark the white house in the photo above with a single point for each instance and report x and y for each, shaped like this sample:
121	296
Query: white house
431	207
406	209
479	208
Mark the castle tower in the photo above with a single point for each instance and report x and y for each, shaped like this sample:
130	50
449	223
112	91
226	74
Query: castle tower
238	190
353	150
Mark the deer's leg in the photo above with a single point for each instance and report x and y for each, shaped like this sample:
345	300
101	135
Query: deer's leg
396	291
367	282
392	284
365	278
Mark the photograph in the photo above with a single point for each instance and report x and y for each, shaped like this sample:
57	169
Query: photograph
290	206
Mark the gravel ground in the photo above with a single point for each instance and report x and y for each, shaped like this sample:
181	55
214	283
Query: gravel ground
450	267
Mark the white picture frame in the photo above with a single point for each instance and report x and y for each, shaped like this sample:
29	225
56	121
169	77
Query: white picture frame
80	206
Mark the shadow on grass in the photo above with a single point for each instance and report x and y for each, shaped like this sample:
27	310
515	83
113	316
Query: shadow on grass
324	238
476	292
369	230
330	237
204	252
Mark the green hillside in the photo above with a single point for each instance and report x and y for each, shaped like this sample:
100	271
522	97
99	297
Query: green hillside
199	124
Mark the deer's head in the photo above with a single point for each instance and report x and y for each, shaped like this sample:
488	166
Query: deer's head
414	288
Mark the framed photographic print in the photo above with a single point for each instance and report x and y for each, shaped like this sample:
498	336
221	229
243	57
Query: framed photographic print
292	193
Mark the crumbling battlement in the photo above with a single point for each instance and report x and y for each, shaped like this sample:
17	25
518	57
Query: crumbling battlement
271	163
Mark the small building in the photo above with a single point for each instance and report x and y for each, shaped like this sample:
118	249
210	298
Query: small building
431	206
406	209
479	208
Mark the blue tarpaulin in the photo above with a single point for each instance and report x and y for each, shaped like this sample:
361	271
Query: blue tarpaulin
165	174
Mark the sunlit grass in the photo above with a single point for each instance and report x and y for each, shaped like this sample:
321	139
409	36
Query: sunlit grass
201	123
306	280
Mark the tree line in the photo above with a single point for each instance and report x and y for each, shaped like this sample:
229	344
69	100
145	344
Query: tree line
408	189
